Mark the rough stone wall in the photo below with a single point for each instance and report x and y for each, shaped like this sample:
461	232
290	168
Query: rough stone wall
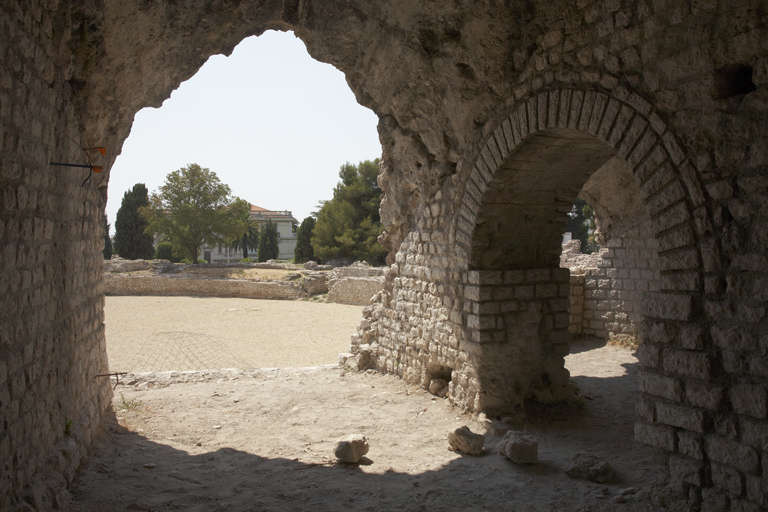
607	287
51	326
466	94
614	291
576	309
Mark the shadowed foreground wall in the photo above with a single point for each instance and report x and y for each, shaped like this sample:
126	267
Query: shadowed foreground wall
493	116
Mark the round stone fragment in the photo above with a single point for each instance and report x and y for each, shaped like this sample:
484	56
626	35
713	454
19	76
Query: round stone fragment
351	448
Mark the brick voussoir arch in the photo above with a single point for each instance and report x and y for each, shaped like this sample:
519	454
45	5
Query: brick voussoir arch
669	183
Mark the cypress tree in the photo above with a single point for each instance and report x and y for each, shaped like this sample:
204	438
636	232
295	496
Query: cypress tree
131	242
304	251
268	242
107	241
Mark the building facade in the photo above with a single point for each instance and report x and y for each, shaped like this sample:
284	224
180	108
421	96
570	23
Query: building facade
286	237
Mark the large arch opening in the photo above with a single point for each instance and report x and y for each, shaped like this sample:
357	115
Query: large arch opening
275	125
517	298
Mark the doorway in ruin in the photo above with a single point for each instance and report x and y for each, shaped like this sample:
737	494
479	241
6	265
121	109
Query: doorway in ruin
529	304
275	125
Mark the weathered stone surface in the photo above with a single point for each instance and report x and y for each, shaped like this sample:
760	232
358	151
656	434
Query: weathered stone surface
585	466
464	440
519	448
351	448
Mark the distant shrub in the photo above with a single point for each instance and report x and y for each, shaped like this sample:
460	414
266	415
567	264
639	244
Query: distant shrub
164	251
246	260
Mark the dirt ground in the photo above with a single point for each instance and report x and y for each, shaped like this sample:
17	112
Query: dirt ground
263	440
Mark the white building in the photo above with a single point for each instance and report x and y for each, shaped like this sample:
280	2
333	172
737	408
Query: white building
286	238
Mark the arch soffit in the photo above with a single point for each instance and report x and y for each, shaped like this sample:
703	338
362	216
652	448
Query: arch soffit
669	183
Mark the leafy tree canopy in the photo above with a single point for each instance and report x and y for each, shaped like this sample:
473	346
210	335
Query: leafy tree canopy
348	225
581	222
304	251
194	207
132	240
269	242
250	236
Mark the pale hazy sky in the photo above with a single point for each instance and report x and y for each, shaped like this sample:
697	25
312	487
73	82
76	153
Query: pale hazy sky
271	122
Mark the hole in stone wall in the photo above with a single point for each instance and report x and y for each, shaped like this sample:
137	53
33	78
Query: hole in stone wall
733	80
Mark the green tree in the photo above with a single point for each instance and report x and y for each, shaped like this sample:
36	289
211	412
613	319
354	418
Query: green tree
304	251
582	220
268	243
194	207
348	225
107	241
164	251
132	239
250	236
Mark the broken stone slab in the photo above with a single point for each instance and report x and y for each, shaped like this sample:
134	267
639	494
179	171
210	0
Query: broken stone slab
464	440
345	358
520	448
351	448
585	466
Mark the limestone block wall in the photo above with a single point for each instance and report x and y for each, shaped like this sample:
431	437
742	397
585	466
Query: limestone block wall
505	312
576	318
52	348
613	292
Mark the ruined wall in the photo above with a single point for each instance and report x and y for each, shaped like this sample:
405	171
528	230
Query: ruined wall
169	286
355	290
607	287
51	326
466	94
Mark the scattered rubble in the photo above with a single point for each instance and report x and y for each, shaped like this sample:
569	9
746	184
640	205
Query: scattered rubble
520	448
589	467
464	440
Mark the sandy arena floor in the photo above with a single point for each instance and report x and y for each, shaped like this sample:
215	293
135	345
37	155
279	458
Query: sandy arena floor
264	441
192	333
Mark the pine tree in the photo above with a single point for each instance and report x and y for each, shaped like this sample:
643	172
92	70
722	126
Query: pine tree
268	242
131	241
304	251
348	225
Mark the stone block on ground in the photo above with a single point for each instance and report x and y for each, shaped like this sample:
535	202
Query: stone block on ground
438	387
585	466
520	448
351	448
464	440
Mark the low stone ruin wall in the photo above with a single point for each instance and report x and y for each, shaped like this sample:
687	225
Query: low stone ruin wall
166	285
343	285
355	290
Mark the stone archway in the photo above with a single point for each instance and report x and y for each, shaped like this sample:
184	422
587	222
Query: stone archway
510	224
547	148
